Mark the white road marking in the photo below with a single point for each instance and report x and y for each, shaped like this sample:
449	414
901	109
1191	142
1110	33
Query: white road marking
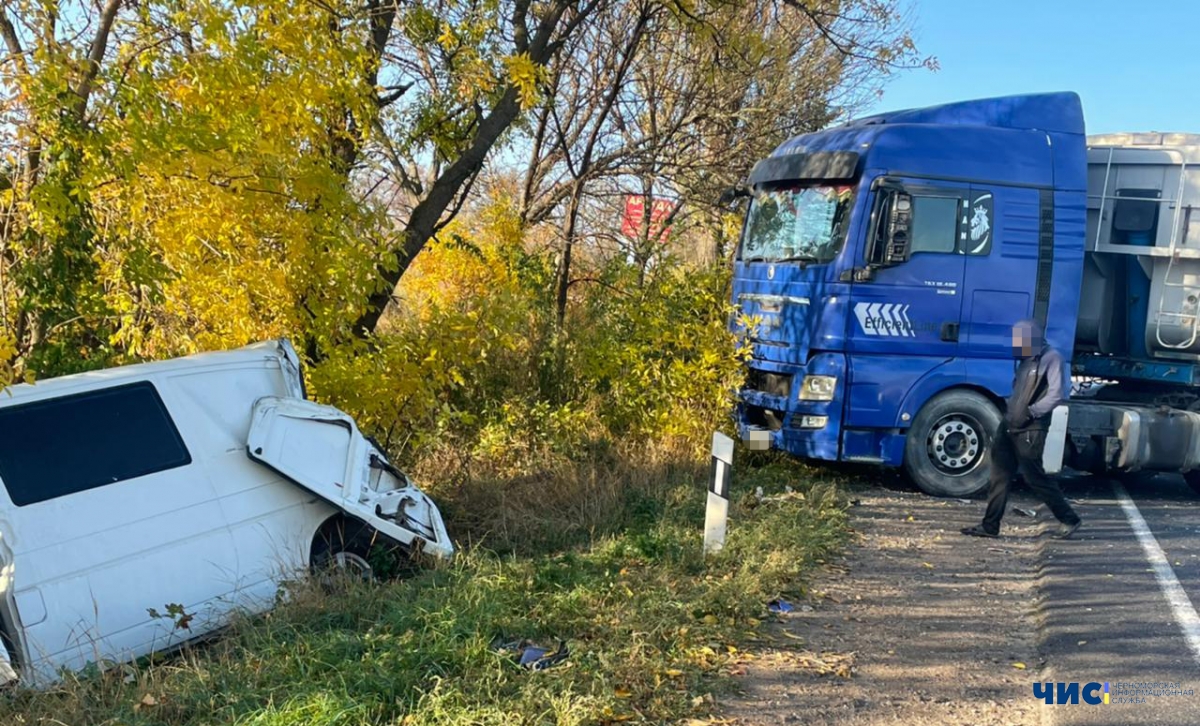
1181	606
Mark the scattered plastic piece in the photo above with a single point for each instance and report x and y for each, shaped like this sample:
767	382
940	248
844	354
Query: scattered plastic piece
1025	512
780	605
530	656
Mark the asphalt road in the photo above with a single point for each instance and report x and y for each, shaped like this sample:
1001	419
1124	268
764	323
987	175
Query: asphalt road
1117	603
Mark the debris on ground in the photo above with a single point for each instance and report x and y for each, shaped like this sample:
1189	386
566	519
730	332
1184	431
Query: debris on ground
529	655
824	663
788	494
1025	512
781	606
827	663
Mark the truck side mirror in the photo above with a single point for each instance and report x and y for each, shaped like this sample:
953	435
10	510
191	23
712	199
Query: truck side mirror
733	194
895	233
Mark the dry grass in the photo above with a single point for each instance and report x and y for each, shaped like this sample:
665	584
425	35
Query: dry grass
554	502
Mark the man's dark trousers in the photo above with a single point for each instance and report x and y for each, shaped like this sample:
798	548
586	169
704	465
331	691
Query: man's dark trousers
1021	451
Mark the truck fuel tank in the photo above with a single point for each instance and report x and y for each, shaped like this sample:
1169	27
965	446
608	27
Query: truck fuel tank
1133	437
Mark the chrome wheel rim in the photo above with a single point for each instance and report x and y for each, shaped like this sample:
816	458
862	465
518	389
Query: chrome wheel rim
352	565
955	444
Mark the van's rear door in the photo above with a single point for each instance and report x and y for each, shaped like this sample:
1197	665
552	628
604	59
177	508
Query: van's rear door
321	449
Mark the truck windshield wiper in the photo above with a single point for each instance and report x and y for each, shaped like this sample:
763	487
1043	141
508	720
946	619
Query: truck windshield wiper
806	259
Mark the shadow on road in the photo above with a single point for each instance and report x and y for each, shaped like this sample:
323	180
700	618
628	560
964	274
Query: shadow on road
935	621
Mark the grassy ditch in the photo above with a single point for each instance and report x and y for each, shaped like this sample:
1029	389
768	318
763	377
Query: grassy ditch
650	624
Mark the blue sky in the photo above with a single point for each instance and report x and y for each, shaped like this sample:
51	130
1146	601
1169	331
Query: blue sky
1136	65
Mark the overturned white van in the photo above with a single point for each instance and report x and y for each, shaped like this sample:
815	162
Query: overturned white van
191	487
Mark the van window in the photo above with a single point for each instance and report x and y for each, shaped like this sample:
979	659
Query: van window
71	444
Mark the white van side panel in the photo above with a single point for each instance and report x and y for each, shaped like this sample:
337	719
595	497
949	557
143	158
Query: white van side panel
271	520
9	624
89	566
212	535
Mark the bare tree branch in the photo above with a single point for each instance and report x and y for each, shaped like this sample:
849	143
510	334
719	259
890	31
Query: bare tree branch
95	56
12	41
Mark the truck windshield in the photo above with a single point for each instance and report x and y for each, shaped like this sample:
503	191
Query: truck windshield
803	223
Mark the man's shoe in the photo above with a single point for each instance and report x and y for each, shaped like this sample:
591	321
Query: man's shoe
1066	530
978	531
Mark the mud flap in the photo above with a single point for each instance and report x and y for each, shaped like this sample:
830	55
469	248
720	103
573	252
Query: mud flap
1056	441
321	449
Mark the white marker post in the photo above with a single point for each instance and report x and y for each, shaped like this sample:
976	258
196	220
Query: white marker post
717	512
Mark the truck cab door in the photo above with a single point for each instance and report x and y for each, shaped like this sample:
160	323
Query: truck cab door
913	306
1000	282
320	448
906	299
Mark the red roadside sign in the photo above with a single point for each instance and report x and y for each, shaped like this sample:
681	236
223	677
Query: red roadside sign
635	210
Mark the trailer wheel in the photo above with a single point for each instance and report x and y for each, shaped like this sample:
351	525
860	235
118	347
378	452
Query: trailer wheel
946	450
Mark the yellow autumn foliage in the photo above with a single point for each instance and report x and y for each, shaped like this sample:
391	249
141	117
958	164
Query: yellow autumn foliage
199	205
472	360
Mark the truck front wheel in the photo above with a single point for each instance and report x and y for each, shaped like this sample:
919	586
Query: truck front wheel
1193	479
945	451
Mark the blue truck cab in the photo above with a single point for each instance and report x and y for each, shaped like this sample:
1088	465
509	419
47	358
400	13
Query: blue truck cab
881	267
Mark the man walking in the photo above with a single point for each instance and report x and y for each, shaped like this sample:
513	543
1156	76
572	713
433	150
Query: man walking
1038	388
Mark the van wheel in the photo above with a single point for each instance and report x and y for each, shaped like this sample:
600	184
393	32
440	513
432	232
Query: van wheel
946	450
352	564
341	549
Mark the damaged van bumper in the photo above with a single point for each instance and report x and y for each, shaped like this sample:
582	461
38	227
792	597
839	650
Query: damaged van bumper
321	449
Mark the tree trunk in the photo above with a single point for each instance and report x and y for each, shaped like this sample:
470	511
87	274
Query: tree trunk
563	276
642	246
531	173
425	216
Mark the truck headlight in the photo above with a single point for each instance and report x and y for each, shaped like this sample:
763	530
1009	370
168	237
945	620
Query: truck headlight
818	388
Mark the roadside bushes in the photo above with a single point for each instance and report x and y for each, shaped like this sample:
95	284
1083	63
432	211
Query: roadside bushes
506	417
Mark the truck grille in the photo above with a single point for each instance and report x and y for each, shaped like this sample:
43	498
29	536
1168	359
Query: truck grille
763	418
774	384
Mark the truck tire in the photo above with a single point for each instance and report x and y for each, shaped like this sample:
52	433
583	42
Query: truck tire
1193	479
946	449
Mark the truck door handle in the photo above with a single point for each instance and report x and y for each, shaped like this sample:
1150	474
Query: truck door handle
950	332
